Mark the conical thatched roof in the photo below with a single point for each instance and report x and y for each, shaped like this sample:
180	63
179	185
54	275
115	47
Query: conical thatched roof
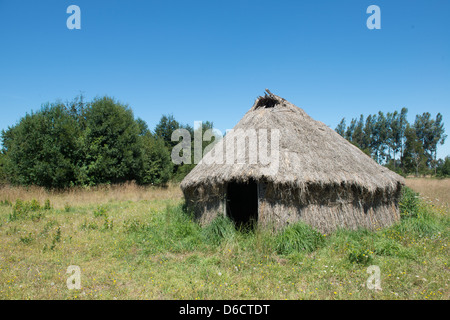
310	153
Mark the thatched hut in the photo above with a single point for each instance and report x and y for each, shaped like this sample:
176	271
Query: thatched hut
319	177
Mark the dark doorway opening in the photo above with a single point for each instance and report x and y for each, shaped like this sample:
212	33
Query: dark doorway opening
242	203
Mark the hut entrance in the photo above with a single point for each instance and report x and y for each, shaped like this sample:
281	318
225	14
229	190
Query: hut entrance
242	203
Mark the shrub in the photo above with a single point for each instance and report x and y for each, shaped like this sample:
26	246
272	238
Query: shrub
34	205
27	239
108	224
88	226
47	228
100	212
37	216
56	238
19	210
47	205
23	209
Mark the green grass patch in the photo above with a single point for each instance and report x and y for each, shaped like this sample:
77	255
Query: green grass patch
219	230
156	250
298	237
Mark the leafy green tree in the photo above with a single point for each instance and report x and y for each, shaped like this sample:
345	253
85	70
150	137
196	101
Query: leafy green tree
184	169
143	127
157	163
85	143
77	109
111	150
164	129
2	170
443	168
167	124
424	132
42	148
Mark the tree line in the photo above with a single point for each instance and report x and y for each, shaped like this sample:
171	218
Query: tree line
101	142
407	148
89	143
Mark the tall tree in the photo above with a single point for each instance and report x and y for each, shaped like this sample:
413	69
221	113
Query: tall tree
394	134
414	154
358	133
383	137
423	126
143	127
341	127
157	164
402	125
167	124
438	136
350	130
444	167
367	138
112	151
380	136
3	178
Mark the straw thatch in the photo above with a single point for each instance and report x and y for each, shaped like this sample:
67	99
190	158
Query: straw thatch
321	178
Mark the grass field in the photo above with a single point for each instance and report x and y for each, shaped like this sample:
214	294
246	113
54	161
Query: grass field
436	191
137	243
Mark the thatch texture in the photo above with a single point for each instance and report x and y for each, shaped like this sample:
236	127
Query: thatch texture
320	177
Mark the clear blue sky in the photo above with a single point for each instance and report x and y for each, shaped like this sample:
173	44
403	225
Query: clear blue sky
209	60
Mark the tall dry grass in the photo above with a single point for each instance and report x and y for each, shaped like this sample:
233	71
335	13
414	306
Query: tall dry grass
435	190
129	191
